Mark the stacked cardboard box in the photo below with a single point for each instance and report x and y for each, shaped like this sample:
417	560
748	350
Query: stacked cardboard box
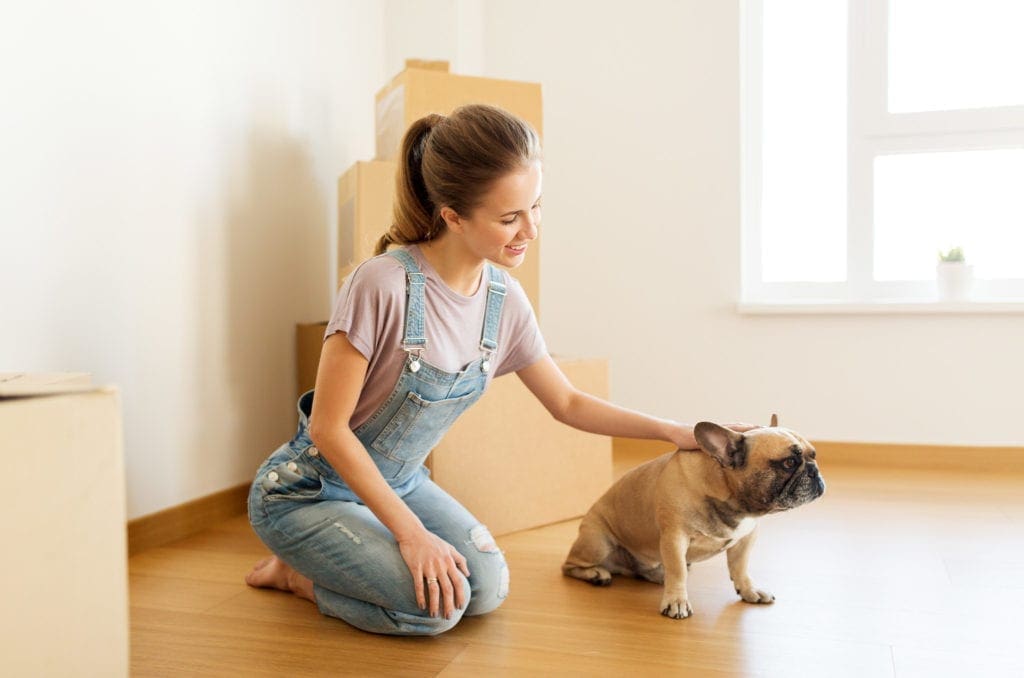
513	466
63	575
506	458
428	87
366	194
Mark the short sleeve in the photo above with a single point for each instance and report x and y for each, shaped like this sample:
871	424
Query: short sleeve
524	344
366	301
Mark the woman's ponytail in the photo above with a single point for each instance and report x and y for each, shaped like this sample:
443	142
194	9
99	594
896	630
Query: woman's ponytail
416	218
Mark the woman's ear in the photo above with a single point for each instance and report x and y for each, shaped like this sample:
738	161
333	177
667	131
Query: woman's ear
451	219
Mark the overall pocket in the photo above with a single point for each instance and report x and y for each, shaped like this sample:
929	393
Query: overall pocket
418	426
292	480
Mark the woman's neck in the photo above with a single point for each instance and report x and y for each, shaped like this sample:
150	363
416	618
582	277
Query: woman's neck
458	268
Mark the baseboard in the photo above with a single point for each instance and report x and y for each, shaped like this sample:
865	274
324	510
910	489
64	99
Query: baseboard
178	522
955	458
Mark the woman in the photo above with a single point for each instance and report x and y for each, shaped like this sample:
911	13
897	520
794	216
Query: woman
347	507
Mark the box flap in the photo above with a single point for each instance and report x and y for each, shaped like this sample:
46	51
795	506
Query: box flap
22	384
427	65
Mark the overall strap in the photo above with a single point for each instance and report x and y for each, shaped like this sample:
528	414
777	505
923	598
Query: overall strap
492	317
415	337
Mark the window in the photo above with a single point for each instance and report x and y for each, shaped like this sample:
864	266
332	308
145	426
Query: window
875	134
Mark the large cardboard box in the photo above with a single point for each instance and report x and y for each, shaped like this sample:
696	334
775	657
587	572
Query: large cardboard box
429	87
366	195
514	466
63	574
309	339
506	459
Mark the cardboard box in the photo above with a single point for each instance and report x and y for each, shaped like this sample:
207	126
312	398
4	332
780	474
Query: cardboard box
513	466
365	198
309	339
429	87
63	576
506	459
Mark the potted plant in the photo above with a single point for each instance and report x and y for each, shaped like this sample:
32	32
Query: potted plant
954	275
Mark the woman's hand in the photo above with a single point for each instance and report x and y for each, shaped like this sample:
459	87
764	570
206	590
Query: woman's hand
681	436
434	564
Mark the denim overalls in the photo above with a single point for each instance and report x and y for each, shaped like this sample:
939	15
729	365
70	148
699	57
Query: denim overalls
306	514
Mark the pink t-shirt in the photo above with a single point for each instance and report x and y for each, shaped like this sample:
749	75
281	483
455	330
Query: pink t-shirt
370	309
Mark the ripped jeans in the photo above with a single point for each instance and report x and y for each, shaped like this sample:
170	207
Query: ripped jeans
358	573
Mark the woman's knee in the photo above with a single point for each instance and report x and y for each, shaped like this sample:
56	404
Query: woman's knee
425	625
438	625
397	623
490	579
398	617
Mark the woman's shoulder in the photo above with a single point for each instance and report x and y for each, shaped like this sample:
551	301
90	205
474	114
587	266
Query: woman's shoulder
382	272
381	264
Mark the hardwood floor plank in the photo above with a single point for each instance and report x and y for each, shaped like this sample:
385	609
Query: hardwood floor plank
497	661
916	663
169	643
227	566
177	594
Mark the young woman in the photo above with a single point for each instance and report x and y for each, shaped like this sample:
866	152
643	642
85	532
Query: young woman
354	521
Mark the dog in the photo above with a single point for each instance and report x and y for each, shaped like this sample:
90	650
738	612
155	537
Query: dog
686	506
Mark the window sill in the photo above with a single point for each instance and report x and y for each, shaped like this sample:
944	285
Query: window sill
881	307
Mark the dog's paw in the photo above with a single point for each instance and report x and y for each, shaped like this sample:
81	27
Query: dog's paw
752	595
676	608
598	576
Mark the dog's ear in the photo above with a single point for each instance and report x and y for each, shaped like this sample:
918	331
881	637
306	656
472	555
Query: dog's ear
775	420
724	445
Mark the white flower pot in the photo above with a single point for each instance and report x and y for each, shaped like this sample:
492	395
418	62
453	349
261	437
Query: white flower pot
955	279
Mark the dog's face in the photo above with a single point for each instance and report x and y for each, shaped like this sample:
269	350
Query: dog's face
771	469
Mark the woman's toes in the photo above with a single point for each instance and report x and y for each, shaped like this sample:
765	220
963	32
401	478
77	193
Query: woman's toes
266	573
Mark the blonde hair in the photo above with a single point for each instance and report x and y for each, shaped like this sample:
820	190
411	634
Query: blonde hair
453	161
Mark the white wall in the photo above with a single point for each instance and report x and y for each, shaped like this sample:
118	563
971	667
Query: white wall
168	186
640	261
447	30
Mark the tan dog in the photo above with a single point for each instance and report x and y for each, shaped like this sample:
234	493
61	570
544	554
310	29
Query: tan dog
687	506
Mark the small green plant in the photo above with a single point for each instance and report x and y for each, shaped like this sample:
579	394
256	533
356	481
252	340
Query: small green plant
954	254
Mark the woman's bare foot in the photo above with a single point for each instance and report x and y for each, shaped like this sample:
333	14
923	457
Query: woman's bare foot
274	573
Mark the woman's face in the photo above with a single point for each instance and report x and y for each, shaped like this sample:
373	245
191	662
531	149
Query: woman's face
501	228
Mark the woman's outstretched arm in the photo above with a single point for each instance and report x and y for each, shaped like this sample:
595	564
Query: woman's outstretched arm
569	405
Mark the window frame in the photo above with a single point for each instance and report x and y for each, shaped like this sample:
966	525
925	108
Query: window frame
871	131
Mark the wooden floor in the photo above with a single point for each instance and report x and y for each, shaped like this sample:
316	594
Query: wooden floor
894	573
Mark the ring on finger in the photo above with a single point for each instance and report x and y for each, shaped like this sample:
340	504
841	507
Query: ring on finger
431	580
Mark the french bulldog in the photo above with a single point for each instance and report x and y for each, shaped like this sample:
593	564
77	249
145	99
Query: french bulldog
686	506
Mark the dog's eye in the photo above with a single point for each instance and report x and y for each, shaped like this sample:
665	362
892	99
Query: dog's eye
789	464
